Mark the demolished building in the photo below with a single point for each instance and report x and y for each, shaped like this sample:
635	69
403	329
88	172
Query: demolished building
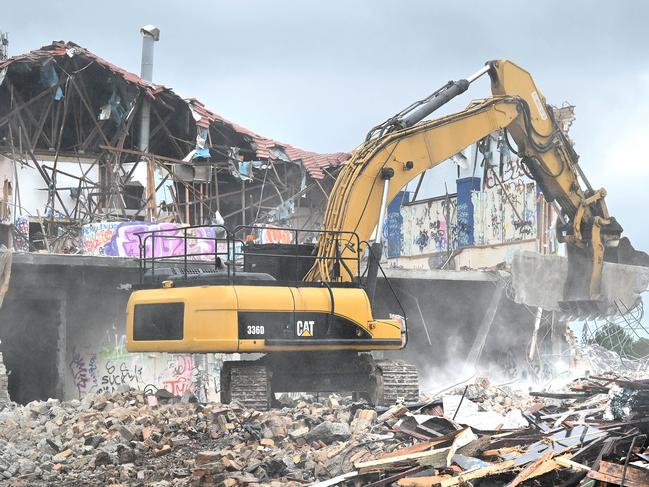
77	182
71	156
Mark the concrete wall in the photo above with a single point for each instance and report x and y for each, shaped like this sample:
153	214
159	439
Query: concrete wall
429	226
62	333
62	329
446	312
476	257
495	220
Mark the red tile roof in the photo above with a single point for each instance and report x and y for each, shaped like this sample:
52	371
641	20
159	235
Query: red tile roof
313	162
60	48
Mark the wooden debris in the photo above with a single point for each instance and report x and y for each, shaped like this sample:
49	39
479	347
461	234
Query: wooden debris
540	466
478	473
465	437
432	458
613	473
336	480
392	414
416	448
564	461
422	481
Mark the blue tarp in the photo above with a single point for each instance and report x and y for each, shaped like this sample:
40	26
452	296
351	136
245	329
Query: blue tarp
50	78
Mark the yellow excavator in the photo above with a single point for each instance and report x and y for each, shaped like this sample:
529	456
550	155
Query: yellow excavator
314	323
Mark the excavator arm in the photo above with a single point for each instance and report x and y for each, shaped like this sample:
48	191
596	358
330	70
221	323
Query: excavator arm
584	224
388	163
401	148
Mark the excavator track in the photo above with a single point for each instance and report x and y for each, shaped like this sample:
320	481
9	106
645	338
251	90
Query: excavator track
394	381
246	382
383	382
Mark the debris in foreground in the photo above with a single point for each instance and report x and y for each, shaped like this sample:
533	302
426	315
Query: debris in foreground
594	431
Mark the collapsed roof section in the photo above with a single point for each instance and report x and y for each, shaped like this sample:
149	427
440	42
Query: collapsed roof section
62	104
53	68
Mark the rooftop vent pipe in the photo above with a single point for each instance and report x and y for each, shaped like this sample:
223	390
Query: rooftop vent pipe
150	34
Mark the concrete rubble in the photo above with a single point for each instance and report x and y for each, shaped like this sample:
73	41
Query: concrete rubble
588	430
538	281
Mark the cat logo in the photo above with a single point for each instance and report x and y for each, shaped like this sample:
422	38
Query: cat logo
304	328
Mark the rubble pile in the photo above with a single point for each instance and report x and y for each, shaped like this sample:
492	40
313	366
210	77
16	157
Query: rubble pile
595	430
128	438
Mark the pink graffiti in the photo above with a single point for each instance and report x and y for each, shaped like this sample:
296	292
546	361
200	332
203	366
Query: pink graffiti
180	375
179	386
168	242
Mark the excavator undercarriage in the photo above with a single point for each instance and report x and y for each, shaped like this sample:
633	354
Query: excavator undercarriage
380	381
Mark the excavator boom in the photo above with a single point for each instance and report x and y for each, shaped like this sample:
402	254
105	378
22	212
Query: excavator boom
400	149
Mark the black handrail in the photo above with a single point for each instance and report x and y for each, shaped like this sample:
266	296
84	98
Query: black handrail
148	238
352	238
235	248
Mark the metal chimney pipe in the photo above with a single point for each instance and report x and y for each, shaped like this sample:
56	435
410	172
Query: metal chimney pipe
150	35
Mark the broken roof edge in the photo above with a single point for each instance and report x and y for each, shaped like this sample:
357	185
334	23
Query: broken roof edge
313	162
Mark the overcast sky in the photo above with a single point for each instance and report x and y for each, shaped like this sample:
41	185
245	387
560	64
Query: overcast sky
319	75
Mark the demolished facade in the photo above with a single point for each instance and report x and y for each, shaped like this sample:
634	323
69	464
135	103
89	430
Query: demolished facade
76	181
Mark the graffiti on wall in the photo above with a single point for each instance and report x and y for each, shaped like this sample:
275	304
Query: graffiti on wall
96	236
111	366
439	225
21	235
79	371
511	170
120	239
276	236
430	226
105	369
117	373
178	377
393	228
496	222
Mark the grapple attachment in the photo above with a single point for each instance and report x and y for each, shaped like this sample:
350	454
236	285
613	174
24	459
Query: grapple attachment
565	285
595	291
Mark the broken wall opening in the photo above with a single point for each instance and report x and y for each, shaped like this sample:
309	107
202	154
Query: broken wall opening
29	338
63	333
